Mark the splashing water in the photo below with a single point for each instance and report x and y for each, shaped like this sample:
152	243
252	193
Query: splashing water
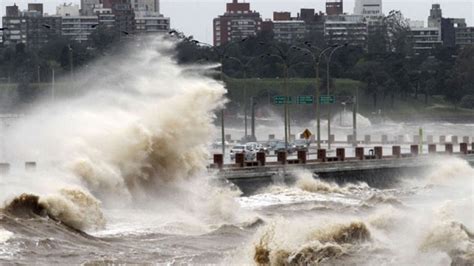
137	134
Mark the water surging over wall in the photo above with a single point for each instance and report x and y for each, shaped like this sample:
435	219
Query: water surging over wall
138	131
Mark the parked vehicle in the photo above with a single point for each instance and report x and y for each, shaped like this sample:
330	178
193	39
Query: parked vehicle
250	154
301	144
280	146
257	147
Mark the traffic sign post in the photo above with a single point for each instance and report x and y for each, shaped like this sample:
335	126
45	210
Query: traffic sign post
305	99
301	99
281	100
327	99
307	134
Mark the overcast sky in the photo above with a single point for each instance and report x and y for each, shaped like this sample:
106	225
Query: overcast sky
194	17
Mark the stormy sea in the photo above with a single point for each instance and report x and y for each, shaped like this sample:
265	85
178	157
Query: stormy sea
122	178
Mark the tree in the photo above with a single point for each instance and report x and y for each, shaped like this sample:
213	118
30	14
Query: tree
398	30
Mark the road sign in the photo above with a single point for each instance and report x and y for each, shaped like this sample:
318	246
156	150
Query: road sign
307	134
305	99
327	99
281	100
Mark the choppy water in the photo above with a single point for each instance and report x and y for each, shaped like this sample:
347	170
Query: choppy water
121	178
426	220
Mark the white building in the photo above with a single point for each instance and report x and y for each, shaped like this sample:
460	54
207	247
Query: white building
289	31
151	22
350	29
67	10
74	26
425	39
416	23
371	10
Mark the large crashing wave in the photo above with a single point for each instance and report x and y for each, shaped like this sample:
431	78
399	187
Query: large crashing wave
139	129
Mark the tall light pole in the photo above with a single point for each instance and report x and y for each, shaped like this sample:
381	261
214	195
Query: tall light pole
328	87
221	53
245	72
284	58
316	57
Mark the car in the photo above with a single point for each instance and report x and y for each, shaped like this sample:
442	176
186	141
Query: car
301	144
257	147
250	154
280	146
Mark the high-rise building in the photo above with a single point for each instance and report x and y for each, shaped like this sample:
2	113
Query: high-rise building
124	14
67	10
145	5
237	22
74	26
434	19
151	22
371	10
464	36
87	7
334	7
350	29
15	27
40	28
425	39
287	29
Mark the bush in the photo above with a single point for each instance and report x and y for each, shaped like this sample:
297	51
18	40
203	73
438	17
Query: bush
468	102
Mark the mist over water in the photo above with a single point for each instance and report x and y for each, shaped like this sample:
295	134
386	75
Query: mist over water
122	178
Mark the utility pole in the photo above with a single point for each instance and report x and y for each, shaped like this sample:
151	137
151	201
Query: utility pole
253	103
52	84
328	87
354	117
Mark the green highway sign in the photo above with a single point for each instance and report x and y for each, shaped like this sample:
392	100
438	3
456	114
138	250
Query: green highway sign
327	99
305	99
281	100
302	99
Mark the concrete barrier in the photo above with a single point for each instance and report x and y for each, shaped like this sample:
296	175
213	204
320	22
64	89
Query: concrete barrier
271	137
359	153
261	158
384	139
219	160
463	148
432	148
414	150
240	159
454	140
322	155
429	139
448	148
442	139
367	139
302	156
341	154
396	151
281	157
378	150
4	168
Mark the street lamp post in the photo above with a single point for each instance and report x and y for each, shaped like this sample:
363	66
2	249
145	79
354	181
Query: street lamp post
328	87
221	54
316	58
245	72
